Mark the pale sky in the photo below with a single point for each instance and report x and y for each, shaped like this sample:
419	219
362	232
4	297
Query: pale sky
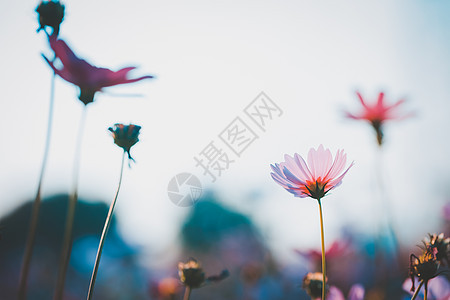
211	59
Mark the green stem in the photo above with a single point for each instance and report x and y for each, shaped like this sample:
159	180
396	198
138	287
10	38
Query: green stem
324	283
187	293
416	292
37	201
104	232
68	231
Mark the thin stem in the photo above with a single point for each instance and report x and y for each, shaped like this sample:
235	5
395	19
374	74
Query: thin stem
323	251
416	292
426	291
384	197
187	293
104	232
37	201
67	238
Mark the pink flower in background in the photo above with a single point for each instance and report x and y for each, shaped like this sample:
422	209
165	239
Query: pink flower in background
446	212
314	179
337	249
87	77
378	113
356	292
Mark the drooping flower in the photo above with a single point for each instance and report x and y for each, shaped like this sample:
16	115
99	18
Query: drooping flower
51	14
377	113
87	77
125	136
191	274
314	179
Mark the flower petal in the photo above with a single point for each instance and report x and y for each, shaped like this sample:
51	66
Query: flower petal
319	162
62	73
336	182
303	167
294	168
361	100
356	292
280	181
291	177
337	166
335	294
323	161
312	153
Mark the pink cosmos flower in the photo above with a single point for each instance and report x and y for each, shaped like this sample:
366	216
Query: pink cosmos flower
314	179
377	113
87	77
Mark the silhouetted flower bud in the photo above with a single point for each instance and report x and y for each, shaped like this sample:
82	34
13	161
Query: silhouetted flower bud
51	13
125	136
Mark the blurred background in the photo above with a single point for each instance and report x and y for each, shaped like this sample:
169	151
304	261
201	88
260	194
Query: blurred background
211	59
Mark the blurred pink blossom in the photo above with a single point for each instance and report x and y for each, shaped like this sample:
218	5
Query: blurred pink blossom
356	293
377	113
314	179
446	212
336	250
88	78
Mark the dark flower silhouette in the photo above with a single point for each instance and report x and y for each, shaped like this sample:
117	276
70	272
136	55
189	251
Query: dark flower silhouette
51	13
191	274
313	284
125	136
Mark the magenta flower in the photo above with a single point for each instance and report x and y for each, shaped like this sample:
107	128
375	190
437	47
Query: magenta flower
87	77
378	113
314	179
